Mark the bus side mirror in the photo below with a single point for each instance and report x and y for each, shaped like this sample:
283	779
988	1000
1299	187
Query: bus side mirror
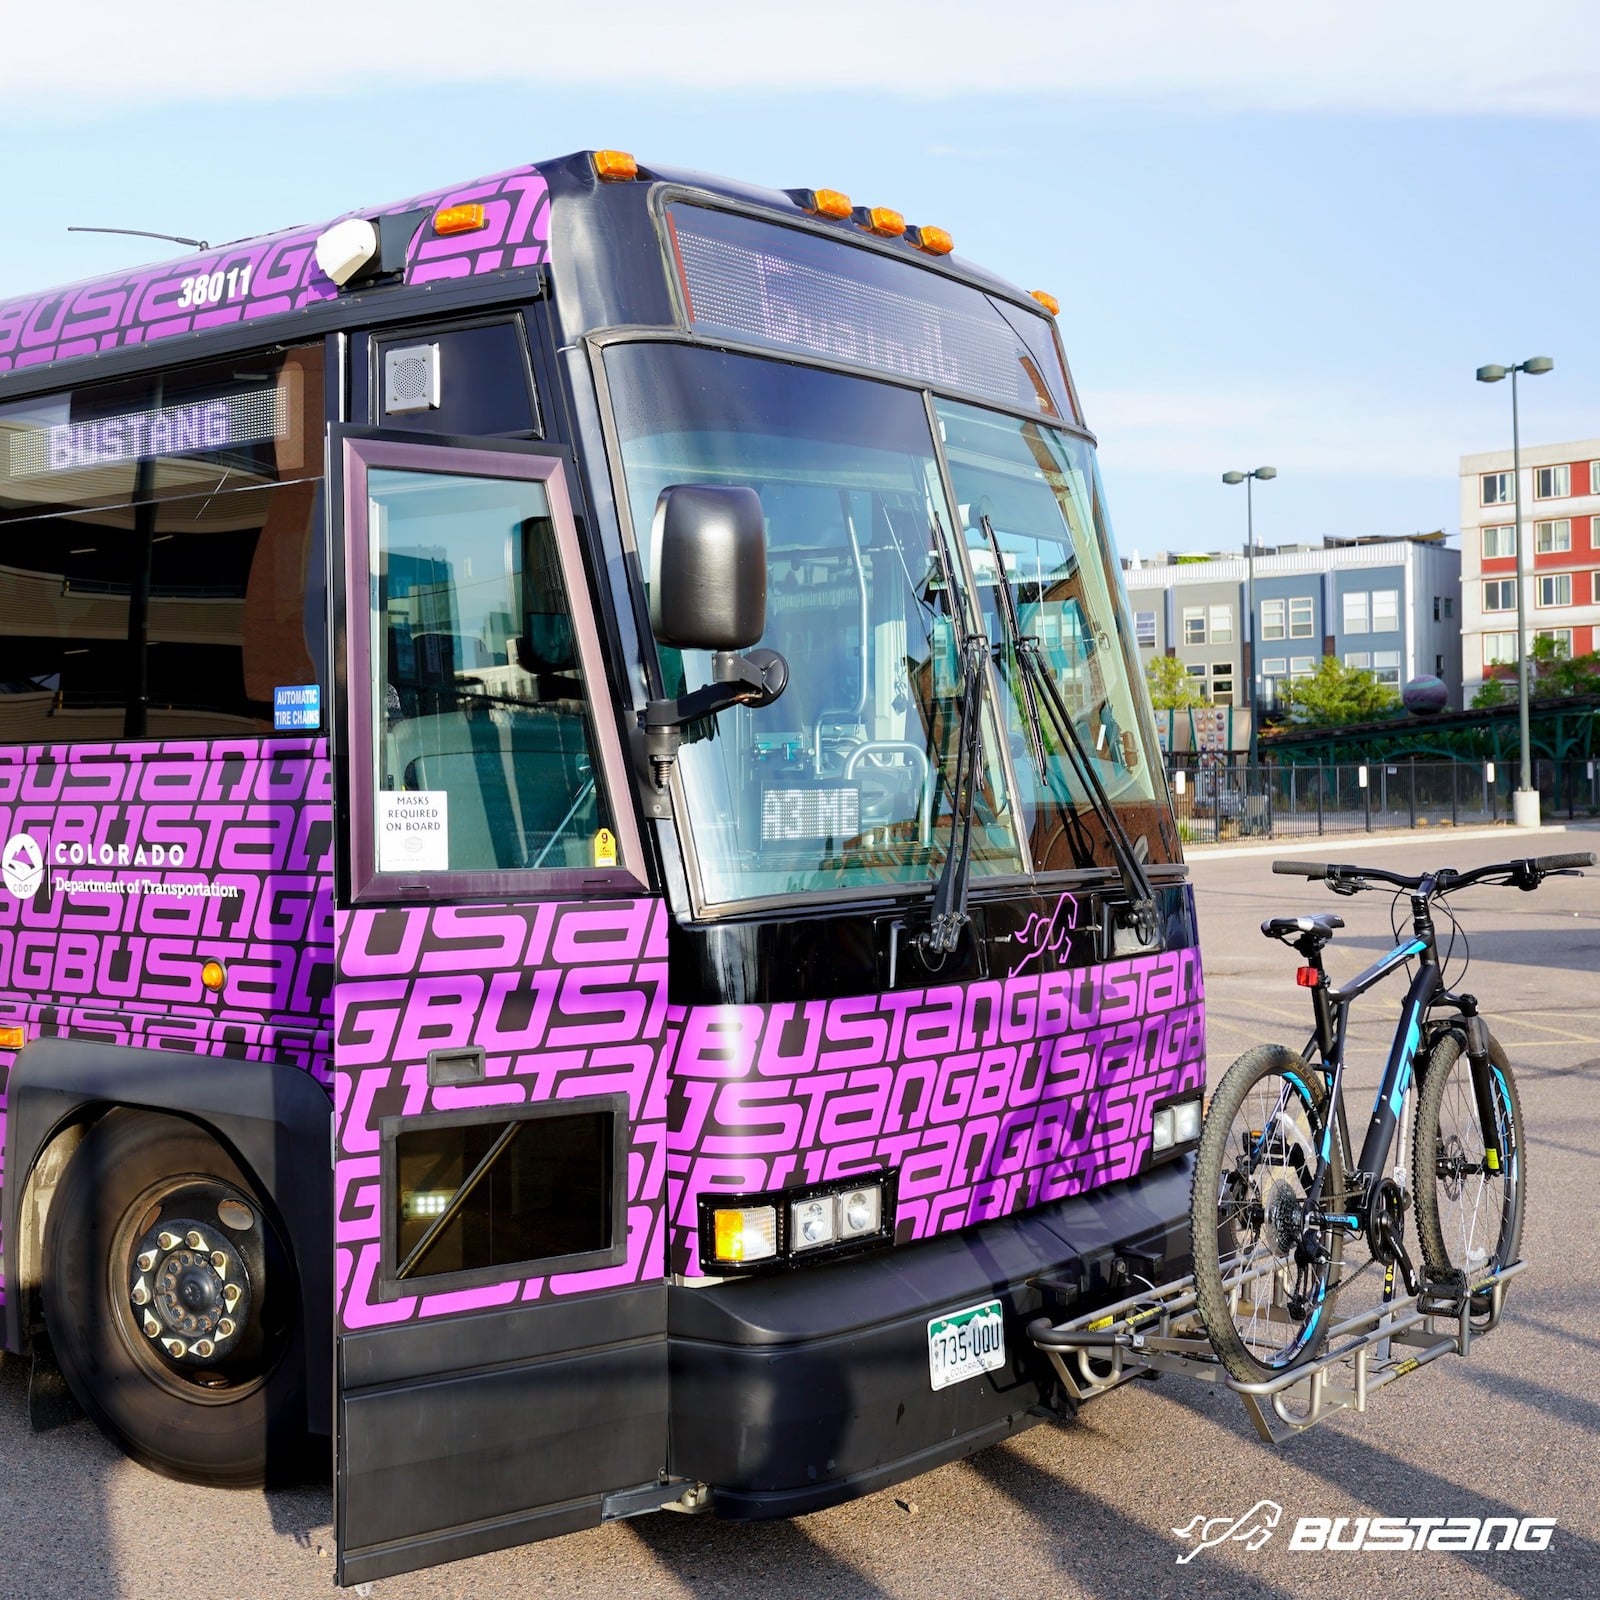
708	567
708	591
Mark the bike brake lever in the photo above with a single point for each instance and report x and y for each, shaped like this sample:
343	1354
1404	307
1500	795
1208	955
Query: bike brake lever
1347	886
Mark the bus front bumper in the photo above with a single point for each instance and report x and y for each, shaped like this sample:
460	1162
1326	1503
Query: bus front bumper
795	1392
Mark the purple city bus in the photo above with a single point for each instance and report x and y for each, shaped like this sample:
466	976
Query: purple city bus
590	909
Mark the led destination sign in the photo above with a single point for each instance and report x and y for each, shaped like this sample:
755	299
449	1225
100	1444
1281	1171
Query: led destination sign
200	425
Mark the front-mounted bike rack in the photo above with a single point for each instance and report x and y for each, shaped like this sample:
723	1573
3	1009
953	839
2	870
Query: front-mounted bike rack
1160	1331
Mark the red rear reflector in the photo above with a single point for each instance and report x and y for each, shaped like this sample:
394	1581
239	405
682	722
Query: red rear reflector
1307	977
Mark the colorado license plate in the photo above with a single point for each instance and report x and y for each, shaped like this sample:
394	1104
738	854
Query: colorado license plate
965	1343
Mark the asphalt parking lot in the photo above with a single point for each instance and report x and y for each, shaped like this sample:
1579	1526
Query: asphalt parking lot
1086	1509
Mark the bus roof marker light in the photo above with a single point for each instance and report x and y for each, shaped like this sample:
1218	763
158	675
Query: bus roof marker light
932	241
615	166
886	224
345	248
823	202
1047	300
466	218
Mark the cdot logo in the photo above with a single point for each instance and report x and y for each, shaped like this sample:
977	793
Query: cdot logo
23	864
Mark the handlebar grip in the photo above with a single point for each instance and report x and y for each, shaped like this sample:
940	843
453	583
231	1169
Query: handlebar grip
1578	858
1315	870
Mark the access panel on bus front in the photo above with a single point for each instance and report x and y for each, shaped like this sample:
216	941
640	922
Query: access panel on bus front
500	1018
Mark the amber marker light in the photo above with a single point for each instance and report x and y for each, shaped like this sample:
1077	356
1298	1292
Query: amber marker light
935	241
459	219
1047	300
881	220
615	166
823	202
213	975
13	1038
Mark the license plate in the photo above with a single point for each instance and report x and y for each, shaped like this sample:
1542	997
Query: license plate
965	1343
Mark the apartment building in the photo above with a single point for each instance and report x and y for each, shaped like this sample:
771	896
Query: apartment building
1560	563
1391	605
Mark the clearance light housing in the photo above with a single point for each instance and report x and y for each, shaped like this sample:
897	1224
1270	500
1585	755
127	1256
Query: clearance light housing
459	219
935	241
13	1038
1175	1125
789	1227
615	166
823	202
880	220
214	975
1047	300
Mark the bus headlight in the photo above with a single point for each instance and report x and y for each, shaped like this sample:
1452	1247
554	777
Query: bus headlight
787	1226
1175	1125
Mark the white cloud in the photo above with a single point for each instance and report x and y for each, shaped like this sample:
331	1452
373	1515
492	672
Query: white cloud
1539	58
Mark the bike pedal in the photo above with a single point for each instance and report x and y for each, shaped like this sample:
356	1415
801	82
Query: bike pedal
1444	1296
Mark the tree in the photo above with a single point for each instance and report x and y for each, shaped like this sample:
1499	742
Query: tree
1171	687
1552	670
1336	694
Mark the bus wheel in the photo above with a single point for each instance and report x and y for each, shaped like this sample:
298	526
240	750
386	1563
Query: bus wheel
171	1303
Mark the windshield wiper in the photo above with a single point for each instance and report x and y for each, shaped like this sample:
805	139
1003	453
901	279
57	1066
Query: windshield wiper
950	894
1038	682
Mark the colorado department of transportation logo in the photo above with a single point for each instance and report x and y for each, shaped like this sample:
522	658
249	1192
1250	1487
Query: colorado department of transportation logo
23	863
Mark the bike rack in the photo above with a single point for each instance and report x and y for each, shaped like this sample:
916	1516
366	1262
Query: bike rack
1160	1331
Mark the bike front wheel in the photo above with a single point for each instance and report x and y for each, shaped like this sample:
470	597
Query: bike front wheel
1469	1203
1265	1272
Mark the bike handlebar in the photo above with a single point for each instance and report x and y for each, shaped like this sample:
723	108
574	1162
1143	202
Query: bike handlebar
1525	873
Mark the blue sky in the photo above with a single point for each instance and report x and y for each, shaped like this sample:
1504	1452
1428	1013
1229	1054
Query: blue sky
1281	234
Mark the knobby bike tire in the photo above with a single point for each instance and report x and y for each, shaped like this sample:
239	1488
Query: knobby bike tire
1248	1197
1468	1218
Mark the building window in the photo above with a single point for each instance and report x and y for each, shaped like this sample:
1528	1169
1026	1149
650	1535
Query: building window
1595	578
1556	589
1222	624
1594	477
1499	649
1222	683
1144	629
1499	541
1276	666
1194	624
1551	537
1358	658
1385	610
1438	666
1496	489
1449	605
1300	617
1561	638
1594	530
1386	667
1302	666
1272	615
1500	594
1355	613
1552	483
1436	604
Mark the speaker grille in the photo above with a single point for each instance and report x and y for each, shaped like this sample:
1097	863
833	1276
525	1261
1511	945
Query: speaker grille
411	378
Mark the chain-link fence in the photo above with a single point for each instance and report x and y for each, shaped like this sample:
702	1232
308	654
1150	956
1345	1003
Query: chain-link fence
1217	800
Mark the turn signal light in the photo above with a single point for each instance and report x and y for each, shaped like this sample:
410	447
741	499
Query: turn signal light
1047	300
459	219
934	240
1307	977
615	166
213	975
881	220
13	1038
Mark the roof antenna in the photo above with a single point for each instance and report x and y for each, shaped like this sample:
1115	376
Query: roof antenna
144	233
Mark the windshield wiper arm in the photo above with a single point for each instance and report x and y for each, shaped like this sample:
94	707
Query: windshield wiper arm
1037	680
950	895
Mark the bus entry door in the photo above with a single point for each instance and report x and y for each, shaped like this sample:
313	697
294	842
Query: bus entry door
500	1028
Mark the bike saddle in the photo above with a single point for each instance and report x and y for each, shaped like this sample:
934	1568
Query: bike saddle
1320	927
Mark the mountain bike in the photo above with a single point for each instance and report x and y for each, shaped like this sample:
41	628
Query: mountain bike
1279	1190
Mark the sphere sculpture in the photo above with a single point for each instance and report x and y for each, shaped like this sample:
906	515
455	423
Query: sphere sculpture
1425	697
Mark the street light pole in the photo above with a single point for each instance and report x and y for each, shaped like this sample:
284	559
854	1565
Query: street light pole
1249	632
1525	802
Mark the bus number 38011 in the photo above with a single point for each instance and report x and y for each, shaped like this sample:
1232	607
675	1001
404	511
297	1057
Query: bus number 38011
201	290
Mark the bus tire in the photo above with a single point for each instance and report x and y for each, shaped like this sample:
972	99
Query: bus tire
171	1302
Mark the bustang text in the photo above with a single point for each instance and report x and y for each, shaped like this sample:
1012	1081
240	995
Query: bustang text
1422	1533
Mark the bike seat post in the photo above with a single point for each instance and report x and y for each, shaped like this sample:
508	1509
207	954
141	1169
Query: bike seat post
1321	1005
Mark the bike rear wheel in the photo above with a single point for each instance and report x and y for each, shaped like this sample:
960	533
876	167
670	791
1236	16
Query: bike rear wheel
1469	1212
1265	1303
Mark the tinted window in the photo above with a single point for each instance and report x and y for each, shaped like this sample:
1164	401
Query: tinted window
484	386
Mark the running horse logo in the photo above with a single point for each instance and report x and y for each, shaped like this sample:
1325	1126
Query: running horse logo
1254	1528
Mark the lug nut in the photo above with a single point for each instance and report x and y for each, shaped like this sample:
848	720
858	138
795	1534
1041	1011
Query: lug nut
176	1347
167	1241
230	1295
147	1260
203	1347
151	1326
141	1293
219	1261
196	1242
226	1327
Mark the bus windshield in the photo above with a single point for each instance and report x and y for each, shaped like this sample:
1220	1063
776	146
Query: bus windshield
844	782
